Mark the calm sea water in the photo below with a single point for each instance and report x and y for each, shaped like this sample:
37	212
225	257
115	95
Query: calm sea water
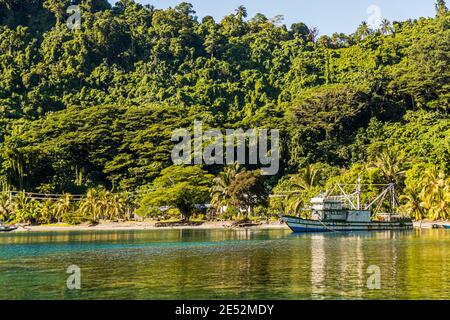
225	264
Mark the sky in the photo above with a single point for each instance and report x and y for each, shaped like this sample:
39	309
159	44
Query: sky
328	16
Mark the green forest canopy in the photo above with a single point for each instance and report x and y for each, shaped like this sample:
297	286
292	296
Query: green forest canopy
96	106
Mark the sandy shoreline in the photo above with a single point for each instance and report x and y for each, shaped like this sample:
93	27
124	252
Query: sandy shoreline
150	225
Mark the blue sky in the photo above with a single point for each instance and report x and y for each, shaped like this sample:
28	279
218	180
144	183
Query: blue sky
328	16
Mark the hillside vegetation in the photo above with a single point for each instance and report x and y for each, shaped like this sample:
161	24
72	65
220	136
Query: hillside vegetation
92	110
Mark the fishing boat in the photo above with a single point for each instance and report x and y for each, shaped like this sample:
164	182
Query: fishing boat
4	228
345	212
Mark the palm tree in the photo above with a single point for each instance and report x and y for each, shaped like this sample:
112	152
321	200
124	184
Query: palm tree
441	8
25	209
106	204
128	203
302	183
440	209
363	30
102	204
220	192
433	180
111	205
117	207
385	26
435	193
47	211
306	178
241	12
413	203
20	207
313	33
15	164
430	186
391	165
90	207
6	207
63	207
294	202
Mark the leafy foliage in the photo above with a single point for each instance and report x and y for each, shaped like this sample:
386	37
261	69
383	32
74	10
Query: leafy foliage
179	187
94	108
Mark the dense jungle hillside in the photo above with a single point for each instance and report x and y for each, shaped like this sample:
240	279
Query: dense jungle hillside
95	107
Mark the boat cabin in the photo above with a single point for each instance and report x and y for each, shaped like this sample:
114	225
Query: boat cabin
325	208
389	217
328	209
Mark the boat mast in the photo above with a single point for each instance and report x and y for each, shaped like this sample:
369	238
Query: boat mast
393	197
358	194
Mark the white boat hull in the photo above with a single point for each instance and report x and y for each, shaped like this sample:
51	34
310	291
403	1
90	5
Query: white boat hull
7	228
302	225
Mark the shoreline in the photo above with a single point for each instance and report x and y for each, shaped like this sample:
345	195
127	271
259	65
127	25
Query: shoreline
152	225
147	225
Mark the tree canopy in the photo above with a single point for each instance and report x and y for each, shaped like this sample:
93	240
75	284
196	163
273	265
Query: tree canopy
96	106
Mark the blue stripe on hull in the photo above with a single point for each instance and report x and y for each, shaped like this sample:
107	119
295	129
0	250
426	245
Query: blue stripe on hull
329	229
301	229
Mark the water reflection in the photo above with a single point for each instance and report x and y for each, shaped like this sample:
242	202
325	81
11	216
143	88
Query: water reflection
318	260
222	264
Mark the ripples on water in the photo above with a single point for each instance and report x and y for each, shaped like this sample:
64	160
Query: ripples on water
225	264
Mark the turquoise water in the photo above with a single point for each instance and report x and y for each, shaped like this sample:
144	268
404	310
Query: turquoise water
225	264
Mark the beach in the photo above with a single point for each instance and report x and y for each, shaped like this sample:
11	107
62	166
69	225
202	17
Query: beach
153	225
146	225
